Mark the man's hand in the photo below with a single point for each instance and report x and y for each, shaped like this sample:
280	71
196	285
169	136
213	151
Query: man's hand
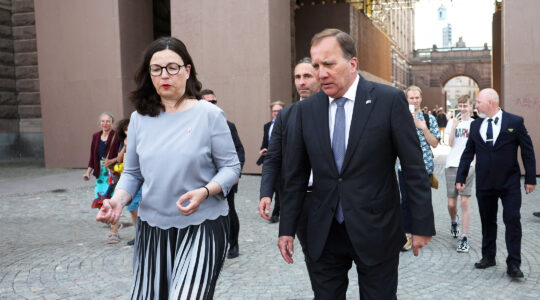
460	186
420	124
286	246
529	188
190	201
419	241
110	212
263	152
264	208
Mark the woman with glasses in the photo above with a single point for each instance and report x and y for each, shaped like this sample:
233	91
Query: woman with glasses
103	153
180	150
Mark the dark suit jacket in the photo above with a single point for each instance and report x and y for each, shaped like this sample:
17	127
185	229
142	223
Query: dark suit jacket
239	149
381	130
264	144
497	167
273	162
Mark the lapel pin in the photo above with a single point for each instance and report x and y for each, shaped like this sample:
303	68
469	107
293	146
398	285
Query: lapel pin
510	129
368	101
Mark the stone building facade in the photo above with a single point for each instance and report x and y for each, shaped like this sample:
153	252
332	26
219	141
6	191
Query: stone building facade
395	19
93	46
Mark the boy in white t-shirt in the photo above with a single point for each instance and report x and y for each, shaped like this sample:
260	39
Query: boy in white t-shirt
457	130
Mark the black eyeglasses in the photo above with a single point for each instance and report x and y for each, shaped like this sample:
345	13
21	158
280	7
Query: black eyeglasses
213	101
172	69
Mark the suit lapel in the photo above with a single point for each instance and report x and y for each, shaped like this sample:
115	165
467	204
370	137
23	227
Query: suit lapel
504	128
320	117
477	136
361	111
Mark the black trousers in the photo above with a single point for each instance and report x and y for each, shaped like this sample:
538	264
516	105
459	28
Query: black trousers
233	220
329	278
488	204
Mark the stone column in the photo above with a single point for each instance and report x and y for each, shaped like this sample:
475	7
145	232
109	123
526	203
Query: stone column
521	62
26	73
87	52
9	126
242	51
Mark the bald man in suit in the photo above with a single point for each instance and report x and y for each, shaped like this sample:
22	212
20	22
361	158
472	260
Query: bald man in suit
495	138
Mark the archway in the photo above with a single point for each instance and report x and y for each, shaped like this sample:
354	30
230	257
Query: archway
458	86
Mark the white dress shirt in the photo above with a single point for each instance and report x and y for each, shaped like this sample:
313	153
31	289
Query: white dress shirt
350	95
496	127
270	130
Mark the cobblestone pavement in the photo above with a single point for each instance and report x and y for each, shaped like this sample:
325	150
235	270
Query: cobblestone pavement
51	247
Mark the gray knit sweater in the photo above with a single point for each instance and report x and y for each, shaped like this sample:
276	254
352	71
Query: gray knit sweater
177	152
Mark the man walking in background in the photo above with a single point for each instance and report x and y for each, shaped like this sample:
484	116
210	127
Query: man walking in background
458	133
209	96
307	84
429	136
495	138
268	129
442	120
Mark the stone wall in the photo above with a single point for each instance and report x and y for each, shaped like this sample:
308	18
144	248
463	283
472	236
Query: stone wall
20	111
27	82
8	102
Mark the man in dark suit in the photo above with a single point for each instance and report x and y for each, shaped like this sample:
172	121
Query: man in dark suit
209	96
307	84
268	129
494	138
350	134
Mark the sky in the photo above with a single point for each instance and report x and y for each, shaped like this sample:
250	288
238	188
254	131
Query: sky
470	19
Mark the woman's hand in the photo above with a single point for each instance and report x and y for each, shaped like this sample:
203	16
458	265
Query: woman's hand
190	201
110	212
86	175
109	162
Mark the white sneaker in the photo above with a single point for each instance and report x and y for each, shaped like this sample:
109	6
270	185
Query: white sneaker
463	245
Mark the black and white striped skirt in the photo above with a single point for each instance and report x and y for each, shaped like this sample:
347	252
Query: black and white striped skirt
178	263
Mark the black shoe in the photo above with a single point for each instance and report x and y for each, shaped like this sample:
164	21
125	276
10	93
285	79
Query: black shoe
514	271
131	243
536	214
484	263
274	219
233	252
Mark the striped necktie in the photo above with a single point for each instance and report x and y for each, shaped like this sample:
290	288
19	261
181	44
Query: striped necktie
338	146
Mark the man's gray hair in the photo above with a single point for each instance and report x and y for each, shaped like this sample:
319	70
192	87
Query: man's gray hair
345	41
305	60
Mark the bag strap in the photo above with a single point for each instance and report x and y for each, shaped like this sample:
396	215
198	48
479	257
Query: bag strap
110	146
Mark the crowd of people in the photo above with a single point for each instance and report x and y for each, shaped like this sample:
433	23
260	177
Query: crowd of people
349	168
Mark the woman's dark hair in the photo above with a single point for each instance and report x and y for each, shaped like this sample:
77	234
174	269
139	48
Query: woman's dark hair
144	97
123	124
